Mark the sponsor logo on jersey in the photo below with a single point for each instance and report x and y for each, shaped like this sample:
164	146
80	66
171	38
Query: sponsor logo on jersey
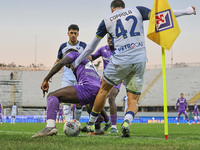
130	46
164	20
181	101
104	50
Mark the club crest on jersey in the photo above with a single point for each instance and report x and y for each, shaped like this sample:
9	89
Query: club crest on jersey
164	20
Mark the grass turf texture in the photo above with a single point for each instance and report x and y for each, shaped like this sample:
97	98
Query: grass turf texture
143	136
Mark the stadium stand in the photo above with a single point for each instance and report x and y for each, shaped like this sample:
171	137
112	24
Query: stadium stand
179	80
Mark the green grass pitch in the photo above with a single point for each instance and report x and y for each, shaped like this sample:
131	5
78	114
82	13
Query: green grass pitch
143	136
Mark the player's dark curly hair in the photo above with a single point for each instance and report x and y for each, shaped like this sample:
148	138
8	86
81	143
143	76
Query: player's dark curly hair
117	3
73	27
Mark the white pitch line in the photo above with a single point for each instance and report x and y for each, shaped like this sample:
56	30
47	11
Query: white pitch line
102	136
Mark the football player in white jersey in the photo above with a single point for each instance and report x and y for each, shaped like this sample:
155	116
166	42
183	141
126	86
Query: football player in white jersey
68	78
14	112
128	62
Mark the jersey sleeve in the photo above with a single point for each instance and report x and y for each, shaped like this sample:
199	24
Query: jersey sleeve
145	12
101	31
60	55
177	102
72	55
97	54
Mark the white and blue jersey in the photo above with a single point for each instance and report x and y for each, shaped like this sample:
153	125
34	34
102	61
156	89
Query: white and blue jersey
126	28
14	110
67	72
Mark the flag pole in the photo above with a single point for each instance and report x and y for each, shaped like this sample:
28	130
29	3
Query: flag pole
164	94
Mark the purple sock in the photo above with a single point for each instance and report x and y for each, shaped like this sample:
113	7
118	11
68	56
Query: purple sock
52	107
113	119
97	124
106	119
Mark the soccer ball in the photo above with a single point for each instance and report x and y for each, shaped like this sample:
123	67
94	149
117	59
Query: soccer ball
72	128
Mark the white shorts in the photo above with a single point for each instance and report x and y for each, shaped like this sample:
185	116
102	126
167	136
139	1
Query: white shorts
13	114
132	74
67	83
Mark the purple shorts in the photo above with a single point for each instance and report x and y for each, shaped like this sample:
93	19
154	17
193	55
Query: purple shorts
118	86
196	113
182	111
59	115
86	93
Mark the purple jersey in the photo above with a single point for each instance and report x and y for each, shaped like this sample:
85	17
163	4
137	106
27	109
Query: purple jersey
60	111
105	52
0	108
85	72
195	108
182	103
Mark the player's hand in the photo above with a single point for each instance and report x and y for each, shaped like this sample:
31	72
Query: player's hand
122	108
192	112
174	107
194	10
45	87
187	109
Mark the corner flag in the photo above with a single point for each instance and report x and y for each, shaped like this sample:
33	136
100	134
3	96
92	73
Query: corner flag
163	27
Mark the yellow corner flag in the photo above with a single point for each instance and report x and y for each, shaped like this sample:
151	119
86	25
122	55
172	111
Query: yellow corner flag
163	27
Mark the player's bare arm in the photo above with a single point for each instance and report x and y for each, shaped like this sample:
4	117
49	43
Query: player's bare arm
54	70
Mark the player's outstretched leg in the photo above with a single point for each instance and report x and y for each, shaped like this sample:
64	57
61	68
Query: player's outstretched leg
52	108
